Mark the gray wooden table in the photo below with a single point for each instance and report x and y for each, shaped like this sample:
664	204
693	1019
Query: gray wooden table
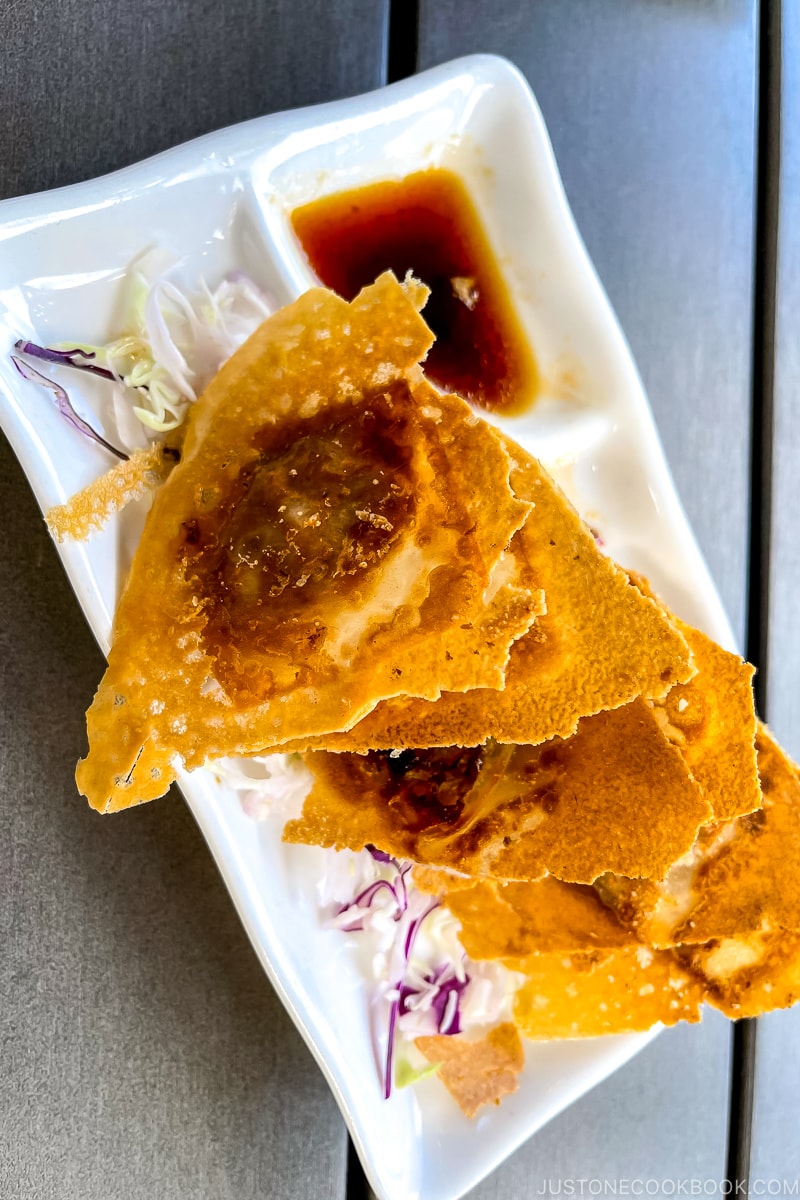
143	1052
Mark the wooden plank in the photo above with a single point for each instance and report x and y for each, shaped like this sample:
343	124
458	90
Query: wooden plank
775	1142
776	1117
652	115
88	86
145	1053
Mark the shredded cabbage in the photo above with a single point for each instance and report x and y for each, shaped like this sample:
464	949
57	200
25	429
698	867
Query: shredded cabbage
174	342
425	983
277	784
64	405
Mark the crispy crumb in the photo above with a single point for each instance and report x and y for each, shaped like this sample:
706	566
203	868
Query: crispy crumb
88	510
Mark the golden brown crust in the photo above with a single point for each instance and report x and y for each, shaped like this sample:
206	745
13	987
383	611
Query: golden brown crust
741	877
749	975
712	721
407	624
600	644
583	974
617	791
516	920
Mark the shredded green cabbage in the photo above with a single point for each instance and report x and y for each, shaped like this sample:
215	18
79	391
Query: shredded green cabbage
174	341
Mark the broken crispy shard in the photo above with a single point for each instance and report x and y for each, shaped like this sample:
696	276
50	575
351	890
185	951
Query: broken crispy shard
741	876
477	1072
601	644
516	920
617	791
583	973
594	992
332	537
88	510
712	720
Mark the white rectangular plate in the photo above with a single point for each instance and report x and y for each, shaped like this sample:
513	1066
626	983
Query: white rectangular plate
221	203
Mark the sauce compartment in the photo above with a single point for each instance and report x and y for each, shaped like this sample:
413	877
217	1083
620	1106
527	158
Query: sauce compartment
426	224
490	140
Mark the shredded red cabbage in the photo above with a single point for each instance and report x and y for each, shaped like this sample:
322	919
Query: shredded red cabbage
439	990
396	888
380	855
66	358
394	1011
64	406
446	999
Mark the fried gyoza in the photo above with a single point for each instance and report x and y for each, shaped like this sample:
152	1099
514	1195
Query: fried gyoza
617	791
600	644
722	929
741	877
477	1072
330	538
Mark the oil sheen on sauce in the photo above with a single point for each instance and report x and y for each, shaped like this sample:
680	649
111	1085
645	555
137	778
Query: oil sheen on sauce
427	224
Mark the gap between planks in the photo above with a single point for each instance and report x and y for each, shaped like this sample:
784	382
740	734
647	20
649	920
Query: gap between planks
744	1035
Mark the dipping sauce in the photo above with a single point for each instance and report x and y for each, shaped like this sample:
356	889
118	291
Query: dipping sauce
427	224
